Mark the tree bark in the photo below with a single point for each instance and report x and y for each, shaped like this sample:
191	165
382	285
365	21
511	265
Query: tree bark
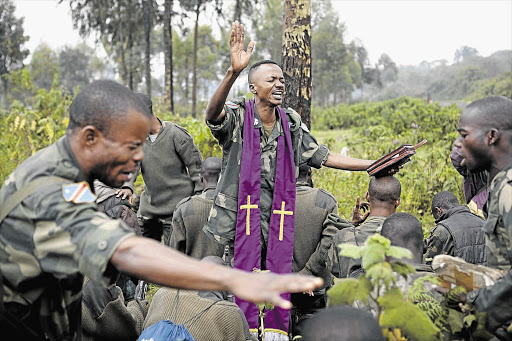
147	37
194	63
169	95
296	57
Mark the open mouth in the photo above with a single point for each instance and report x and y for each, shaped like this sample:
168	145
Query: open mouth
277	94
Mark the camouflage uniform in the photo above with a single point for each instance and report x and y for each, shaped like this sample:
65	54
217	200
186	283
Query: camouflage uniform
341	267
458	233
221	223
187	226
171	171
312	238
496	300
47	244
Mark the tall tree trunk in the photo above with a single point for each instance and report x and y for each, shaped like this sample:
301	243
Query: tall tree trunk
238	11
194	63
296	57
169	95
147	35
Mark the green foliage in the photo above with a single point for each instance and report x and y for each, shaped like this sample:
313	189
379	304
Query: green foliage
378	290
28	129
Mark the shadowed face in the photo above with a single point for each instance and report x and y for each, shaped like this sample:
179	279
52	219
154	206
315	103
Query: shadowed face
116	156
267	84
472	143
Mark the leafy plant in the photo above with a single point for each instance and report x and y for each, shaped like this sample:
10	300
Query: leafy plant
377	290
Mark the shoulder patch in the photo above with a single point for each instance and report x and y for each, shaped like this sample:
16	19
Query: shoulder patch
232	105
78	193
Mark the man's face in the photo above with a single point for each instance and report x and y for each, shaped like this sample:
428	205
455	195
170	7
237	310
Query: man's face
117	155
267	84
472	143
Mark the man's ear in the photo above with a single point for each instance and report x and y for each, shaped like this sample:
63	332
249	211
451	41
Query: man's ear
90	135
252	88
493	135
398	202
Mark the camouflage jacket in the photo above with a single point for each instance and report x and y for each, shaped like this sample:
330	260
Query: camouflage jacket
187	226
312	235
47	244
341	267
221	223
171	171
496	300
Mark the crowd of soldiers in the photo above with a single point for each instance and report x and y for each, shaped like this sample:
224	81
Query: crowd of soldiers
75	258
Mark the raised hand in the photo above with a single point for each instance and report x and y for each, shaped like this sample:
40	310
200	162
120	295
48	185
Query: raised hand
239	57
360	212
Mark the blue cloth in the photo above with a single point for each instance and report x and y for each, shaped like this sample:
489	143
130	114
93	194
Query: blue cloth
165	330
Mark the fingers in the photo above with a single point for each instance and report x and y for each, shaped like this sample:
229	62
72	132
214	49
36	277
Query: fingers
278	301
232	38
250	47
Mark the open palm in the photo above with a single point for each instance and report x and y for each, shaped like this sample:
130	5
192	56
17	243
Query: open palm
239	57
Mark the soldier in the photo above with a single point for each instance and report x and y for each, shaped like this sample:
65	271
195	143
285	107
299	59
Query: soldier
312	239
458	232
383	198
51	234
207	315
191	215
485	143
171	171
404	230
253	210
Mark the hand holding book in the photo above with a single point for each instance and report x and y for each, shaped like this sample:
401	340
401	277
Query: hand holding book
392	162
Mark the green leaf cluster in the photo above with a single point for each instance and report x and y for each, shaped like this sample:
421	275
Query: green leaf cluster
378	290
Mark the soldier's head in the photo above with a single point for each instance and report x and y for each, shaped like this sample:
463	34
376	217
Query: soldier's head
384	192
210	171
342	323
442	202
485	134
266	82
404	230
108	124
155	123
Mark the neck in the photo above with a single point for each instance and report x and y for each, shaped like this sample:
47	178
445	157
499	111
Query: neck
380	211
500	163
81	157
155	126
267	112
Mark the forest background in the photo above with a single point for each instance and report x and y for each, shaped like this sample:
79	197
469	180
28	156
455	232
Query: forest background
369	108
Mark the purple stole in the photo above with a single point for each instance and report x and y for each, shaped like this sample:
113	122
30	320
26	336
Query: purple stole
280	234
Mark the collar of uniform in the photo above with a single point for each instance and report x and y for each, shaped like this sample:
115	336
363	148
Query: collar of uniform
302	184
68	167
163	124
505	172
276	132
209	192
454	210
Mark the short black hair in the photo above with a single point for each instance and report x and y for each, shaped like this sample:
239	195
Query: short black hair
342	323
101	102
493	111
210	168
147	101
386	189
444	200
257	65
404	230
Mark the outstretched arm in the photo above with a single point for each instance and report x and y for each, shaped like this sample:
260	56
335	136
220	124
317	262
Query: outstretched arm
347	163
168	267
239	60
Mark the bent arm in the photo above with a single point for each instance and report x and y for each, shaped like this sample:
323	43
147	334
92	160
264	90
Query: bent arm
215	109
347	163
168	267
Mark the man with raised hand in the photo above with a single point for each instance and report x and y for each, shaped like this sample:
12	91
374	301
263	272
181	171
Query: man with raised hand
51	233
263	146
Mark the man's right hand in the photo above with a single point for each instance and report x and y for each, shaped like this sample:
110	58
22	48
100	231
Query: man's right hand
239	57
267	287
360	212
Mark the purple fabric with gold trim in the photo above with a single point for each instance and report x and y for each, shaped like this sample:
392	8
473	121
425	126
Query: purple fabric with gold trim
280	236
